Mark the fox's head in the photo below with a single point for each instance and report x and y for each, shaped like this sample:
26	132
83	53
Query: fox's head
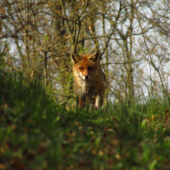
85	65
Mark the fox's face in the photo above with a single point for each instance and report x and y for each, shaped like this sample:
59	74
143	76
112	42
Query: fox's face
85	65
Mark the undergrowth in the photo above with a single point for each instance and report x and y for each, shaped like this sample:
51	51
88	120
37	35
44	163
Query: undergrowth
36	133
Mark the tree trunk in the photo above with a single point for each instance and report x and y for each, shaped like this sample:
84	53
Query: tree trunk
130	59
106	60
45	69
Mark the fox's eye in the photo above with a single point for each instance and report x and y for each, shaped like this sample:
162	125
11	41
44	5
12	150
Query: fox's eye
81	68
90	68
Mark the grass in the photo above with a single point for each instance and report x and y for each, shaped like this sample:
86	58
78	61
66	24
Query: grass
36	133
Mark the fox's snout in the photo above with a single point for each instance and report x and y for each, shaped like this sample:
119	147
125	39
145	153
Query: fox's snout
85	77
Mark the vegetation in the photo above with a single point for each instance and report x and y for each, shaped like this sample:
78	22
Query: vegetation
39	125
36	133
38	36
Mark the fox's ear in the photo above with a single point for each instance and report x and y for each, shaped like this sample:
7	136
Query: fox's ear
75	57
94	57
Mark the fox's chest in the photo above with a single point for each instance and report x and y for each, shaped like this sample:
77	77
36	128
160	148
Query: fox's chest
86	88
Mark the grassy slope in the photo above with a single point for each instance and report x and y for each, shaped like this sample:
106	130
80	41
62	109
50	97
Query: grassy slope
36	133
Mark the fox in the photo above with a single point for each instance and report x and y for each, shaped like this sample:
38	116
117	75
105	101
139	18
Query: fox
89	80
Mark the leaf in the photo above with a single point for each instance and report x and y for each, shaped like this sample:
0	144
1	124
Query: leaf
100	153
97	141
2	54
2	10
144	122
46	37
152	164
29	37
2	166
153	117
18	163
2	150
167	116
115	141
56	119
117	156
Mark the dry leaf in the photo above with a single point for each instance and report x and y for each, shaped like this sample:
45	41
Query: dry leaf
18	164
100	153
2	10
117	156
2	166
115	141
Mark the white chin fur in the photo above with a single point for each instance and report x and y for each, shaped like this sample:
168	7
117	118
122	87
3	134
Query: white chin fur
83	77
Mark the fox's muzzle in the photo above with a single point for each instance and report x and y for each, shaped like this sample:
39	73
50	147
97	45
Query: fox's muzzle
86	77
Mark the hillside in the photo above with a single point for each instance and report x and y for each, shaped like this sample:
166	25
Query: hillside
36	133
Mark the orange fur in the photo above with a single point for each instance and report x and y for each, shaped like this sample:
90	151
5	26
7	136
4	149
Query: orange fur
89	79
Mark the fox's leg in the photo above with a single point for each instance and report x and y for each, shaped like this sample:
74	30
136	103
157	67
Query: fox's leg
91	102
101	98
82	102
97	99
101	102
88	103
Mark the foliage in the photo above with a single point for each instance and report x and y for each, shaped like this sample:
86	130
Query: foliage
39	128
36	133
37	38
